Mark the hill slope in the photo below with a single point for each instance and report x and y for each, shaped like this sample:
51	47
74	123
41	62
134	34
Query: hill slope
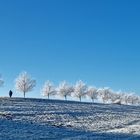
35	119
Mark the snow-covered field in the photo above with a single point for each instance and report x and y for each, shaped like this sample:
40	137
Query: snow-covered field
40	119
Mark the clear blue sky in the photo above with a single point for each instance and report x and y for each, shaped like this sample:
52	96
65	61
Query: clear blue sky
97	41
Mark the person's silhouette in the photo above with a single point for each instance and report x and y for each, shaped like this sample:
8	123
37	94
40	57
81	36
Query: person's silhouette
10	93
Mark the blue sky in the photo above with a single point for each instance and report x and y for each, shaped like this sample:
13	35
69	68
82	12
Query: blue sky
97	41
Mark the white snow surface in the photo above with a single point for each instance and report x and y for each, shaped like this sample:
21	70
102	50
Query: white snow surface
42	119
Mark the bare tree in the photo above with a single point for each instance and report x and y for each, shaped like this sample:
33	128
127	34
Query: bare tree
1	81
64	89
80	90
48	89
24	83
92	93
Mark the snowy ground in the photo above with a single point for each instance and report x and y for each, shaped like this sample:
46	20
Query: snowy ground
38	119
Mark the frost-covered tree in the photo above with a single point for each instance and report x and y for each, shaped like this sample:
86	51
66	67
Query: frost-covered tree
1	81
24	83
124	97
135	100
92	93
80	90
105	94
132	99
48	89
115	97
64	89
138	100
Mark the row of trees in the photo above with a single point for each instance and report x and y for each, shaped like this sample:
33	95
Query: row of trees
81	90
24	83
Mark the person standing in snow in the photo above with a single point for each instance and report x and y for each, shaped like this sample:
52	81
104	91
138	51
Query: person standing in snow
10	93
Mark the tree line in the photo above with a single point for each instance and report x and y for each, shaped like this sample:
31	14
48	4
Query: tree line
25	83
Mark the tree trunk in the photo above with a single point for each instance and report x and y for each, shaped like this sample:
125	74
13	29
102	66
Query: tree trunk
24	94
80	99
48	96
65	97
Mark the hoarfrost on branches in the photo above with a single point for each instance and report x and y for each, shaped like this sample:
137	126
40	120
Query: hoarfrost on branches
48	89
24	83
92	93
80	90
64	89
